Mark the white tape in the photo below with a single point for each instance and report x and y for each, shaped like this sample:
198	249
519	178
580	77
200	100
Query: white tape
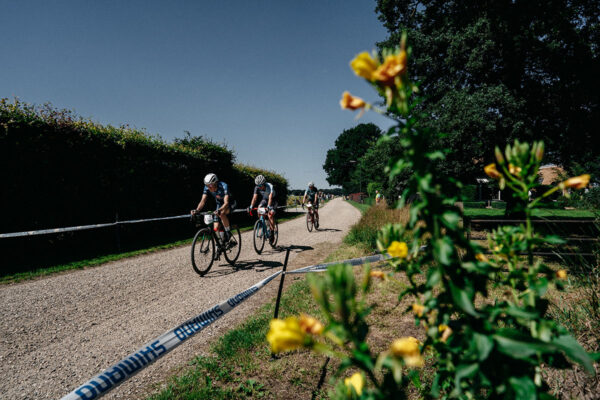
96	226
353	261
135	362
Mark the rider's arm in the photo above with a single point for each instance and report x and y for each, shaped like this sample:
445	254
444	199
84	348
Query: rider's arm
225	202
270	199
253	200
202	202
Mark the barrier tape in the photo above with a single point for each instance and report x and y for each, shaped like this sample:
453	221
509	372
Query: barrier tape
96	226
353	261
150	352
133	363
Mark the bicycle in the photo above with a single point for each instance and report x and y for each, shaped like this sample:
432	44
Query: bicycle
311	220
262	231
208	244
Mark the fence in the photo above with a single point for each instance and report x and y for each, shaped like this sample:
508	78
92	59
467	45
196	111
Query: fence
584	231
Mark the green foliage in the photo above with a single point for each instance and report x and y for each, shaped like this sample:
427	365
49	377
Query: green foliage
349	146
469	192
498	71
482	345
60	170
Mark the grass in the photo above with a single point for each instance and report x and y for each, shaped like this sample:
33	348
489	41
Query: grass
93	262
362	207
365	231
542	213
240	366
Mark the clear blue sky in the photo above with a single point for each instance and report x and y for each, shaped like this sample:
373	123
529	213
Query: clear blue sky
264	77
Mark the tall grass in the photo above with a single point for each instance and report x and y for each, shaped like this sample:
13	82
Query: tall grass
365	231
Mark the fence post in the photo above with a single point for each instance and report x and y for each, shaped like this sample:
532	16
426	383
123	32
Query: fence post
118	232
287	255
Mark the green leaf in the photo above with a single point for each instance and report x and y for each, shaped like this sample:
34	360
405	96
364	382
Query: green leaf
443	250
574	351
451	219
524	388
462	300
435	276
521	349
484	344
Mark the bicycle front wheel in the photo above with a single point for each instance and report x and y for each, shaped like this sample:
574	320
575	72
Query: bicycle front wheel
234	246
203	251
309	222
258	236
274	235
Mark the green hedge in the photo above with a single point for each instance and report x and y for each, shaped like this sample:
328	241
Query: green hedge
58	169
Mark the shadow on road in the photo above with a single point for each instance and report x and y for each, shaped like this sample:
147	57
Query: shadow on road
328	230
226	269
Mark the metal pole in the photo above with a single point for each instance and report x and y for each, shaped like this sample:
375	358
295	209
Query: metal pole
287	256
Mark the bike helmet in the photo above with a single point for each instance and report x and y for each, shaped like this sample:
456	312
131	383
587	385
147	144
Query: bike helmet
311	184
210	178
260	180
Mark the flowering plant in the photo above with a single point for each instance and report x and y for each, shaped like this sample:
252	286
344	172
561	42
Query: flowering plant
484	345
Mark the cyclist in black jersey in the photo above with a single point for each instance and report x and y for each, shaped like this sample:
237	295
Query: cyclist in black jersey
266	192
223	197
311	194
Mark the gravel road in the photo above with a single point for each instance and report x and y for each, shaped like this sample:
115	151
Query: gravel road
57	332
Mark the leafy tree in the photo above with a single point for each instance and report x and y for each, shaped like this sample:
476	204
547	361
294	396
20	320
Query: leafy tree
371	168
495	71
349	146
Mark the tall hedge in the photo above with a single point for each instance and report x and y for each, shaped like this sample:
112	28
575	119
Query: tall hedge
60	170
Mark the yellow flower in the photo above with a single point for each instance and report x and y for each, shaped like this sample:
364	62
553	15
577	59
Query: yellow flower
398	249
578	182
408	349
356	381
311	325
491	171
514	169
392	66
418	309
446	331
561	274
352	103
285	334
404	347
377	274
364	65
481	257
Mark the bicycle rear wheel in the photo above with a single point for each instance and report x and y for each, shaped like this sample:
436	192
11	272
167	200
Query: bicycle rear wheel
203	251
274	234
234	246
309	222
258	236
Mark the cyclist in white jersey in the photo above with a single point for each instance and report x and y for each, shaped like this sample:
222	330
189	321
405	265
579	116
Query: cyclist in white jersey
220	192
266	192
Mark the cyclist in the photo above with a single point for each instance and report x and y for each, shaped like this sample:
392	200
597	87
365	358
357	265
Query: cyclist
266	192
225	203
311	194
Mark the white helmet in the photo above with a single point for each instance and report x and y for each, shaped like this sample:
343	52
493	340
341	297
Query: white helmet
260	180
210	178
311	184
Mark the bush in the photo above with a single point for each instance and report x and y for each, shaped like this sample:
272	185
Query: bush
469	192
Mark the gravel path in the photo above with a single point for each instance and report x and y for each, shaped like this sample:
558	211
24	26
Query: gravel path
57	332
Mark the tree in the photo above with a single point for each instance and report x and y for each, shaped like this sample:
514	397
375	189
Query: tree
342	160
499	70
371	167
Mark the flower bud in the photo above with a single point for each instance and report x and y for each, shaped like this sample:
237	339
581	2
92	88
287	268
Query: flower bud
491	171
539	151
561	274
499	156
578	182
351	103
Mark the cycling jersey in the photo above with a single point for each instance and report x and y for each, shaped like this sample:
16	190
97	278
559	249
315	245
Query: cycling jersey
264	193
310	195
219	194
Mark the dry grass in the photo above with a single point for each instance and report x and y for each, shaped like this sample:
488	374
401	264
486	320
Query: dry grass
365	231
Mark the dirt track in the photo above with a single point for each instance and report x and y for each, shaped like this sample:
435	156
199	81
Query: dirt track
57	332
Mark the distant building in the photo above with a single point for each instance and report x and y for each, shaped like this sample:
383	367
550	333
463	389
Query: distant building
551	173
358	197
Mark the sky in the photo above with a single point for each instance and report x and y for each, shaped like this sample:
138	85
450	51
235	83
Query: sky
263	77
